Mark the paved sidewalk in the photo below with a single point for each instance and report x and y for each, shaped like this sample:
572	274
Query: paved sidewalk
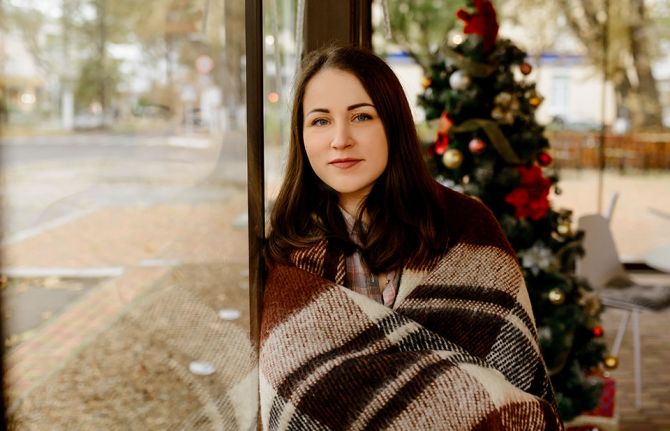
146	243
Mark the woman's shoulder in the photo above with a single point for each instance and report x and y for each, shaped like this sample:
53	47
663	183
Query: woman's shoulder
469	220
467	206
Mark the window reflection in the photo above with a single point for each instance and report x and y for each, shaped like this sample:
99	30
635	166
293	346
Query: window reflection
124	237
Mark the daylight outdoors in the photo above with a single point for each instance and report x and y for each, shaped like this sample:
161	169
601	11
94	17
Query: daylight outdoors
123	189
124	239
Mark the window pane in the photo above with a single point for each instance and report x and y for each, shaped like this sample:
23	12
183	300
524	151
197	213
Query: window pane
280	66
124	202
565	44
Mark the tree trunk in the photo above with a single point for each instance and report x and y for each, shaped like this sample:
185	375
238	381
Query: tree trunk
102	55
622	92
636	91
233	82
649	114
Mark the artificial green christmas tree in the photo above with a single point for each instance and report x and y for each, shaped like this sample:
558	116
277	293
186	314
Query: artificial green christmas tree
490	146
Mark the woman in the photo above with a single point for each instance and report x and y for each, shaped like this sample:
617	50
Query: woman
391	302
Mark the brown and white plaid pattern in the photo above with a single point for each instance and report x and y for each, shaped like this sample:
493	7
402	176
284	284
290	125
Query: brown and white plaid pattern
458	350
380	288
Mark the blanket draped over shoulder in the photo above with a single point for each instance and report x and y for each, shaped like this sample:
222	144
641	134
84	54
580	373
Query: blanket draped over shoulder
458	350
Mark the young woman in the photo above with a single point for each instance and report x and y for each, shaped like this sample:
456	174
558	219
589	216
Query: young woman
391	302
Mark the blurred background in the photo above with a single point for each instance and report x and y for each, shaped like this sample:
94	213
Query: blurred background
124	252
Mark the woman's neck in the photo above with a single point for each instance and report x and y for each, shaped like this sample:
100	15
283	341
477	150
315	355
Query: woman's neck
352	206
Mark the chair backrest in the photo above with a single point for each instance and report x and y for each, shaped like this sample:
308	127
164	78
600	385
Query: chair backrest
600	263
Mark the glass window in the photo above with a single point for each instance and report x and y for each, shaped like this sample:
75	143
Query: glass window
570	79
124	203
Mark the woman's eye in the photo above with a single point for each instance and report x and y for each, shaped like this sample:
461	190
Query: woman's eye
320	122
362	117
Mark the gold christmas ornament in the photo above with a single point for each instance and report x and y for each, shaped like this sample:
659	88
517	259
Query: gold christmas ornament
611	362
452	159
534	98
425	82
556	296
564	229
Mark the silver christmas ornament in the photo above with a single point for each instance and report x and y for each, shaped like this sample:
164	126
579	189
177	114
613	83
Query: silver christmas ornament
460	80
538	257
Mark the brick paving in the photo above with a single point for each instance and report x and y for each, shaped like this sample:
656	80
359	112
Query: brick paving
37	358
132	238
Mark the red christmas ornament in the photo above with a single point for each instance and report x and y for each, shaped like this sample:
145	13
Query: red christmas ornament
483	22
598	331
445	123
441	144
477	146
525	68
544	159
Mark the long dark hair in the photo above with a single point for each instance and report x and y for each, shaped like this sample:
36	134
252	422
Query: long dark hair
403	207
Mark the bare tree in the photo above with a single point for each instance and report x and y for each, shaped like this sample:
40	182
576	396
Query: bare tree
421	27
630	31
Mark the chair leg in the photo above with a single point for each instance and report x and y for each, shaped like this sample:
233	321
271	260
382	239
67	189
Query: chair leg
620	333
637	359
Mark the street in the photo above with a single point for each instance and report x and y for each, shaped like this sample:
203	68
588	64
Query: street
51	178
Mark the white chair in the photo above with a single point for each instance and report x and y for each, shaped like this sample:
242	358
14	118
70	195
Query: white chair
602	268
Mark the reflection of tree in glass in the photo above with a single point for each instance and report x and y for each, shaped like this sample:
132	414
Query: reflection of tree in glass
82	46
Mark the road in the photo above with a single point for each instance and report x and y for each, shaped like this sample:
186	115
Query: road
27	149
51	178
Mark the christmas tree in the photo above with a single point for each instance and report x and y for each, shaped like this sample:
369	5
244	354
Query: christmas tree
490	146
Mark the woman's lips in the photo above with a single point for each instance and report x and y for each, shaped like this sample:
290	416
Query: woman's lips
344	163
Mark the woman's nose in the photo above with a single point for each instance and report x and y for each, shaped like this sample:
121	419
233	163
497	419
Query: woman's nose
342	136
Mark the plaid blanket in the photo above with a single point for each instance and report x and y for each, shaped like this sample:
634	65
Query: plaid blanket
457	352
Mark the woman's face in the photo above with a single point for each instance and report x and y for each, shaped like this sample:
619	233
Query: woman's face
344	137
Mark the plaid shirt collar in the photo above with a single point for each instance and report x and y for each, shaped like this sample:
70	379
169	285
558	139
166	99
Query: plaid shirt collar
360	279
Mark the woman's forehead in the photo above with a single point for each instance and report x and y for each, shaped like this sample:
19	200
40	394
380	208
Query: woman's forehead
331	88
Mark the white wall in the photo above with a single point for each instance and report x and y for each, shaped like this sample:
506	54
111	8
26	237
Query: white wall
584	88
409	74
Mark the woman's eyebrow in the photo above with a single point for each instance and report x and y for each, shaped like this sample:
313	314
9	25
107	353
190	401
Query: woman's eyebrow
349	108
358	105
325	111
